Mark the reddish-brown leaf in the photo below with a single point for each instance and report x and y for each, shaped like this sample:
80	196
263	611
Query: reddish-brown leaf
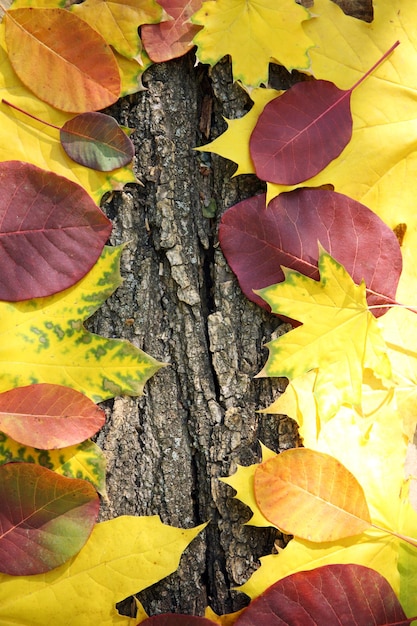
176	619
336	595
97	141
303	130
51	232
48	416
256	240
172	38
45	518
61	59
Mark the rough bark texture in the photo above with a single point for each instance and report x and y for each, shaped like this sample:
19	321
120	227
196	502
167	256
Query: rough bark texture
181	303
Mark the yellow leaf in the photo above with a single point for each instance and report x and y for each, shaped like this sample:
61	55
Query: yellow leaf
224	620
253	34
35	143
339	335
123	556
118	21
44	340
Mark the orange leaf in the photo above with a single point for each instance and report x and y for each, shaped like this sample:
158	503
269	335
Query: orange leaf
311	495
61	59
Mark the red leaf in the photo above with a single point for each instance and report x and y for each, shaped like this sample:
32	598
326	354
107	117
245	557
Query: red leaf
256	240
303	130
173	38
48	416
176	619
51	232
97	141
45	518
340	595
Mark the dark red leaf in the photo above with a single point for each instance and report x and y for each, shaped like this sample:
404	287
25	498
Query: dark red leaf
303	130
48	416
336	595
176	619
97	141
45	518
256	240
51	232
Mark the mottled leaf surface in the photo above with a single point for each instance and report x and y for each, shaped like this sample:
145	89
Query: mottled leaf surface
45	519
48	416
81	77
97	141
340	595
51	232
257	240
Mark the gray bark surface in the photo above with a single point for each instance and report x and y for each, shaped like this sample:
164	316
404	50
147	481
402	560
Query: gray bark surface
181	303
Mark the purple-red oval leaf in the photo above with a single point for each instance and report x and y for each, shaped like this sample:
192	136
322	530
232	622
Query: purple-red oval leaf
51	232
257	240
48	416
340	595
45	518
97	141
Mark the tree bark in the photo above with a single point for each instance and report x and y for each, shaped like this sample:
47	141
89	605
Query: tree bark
181	303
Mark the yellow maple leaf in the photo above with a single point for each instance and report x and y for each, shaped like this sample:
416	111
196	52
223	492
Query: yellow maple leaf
253	34
122	556
339	335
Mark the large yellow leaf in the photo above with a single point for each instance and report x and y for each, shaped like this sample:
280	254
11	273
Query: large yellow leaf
253	34
122	556
339	335
44	340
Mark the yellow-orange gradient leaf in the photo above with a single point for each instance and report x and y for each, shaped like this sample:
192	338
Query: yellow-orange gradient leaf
61	59
311	495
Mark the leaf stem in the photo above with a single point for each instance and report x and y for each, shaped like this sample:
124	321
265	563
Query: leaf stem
13	106
393	306
410	540
362	78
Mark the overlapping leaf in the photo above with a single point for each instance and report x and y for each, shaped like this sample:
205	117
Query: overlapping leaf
85	460
48	416
257	240
122	556
45	519
44	340
253	34
332	310
51	232
80	78
172	38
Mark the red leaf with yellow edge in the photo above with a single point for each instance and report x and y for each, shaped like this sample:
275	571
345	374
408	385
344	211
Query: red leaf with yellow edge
257	240
97	141
172	38
47	416
176	619
311	495
61	59
303	130
51	232
45	518
340	595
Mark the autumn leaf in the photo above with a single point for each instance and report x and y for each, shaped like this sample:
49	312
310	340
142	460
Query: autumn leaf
48	416
45	519
224	620
334	313
253	34
51	232
257	239
311	495
172	38
82	78
44	340
177	619
342	594
117	21
122	556
85	460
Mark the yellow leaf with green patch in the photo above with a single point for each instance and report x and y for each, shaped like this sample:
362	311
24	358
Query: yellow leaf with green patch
44	340
339	335
122	556
84	460
253	34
